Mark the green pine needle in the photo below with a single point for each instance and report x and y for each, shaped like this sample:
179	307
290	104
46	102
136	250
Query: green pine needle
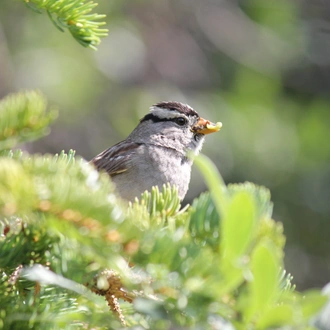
76	16
286	281
216	263
23	117
204	221
165	202
58	211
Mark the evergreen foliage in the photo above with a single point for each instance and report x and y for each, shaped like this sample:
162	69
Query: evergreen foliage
65	235
75	16
23	118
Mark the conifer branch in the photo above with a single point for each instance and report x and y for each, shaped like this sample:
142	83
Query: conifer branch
76	16
108	284
164	203
23	117
69	220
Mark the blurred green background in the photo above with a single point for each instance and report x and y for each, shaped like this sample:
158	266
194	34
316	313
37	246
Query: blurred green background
262	67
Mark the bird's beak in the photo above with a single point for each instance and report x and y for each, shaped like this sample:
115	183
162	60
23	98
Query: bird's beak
204	126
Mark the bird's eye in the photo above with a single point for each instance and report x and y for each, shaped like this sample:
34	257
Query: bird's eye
181	121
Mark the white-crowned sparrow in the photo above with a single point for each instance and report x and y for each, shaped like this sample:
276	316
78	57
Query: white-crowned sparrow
156	151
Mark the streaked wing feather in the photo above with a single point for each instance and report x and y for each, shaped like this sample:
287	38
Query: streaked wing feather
116	159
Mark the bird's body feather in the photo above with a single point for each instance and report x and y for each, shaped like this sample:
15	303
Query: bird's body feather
155	153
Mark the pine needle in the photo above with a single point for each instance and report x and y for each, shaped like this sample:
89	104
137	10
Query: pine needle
76	16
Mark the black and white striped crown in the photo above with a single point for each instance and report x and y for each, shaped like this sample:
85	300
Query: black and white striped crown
170	110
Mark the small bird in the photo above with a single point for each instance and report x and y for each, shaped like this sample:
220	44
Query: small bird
155	153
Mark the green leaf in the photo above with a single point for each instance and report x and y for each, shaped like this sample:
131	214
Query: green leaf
261	196
312	302
238	226
265	269
213	180
277	316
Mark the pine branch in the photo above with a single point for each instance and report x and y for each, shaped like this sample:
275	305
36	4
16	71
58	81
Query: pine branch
211	262
164	204
76	16
23	117
58	185
286	281
204	221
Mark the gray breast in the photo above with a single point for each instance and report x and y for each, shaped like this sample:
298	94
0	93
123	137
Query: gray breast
154	166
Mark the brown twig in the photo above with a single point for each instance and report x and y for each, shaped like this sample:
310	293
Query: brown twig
108	284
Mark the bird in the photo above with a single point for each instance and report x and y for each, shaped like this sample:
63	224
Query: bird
156	151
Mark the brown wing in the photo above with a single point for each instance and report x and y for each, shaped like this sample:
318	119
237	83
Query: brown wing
116	159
